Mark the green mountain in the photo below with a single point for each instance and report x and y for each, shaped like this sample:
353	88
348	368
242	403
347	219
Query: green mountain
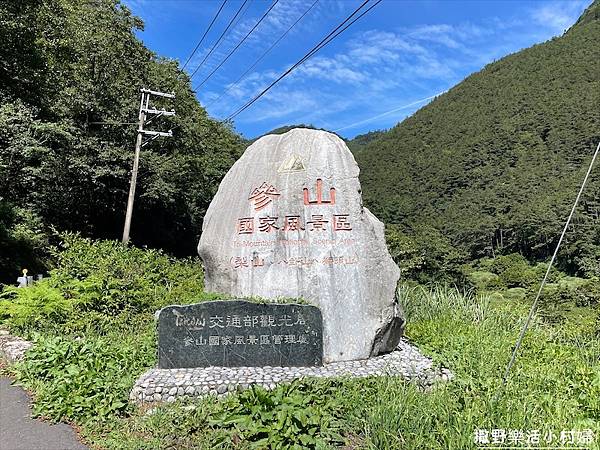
493	165
361	140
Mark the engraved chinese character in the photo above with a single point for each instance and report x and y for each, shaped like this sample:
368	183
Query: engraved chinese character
317	223
289	339
226	340
267	321
319	200
277	339
340	222
292	223
233	321
201	341
188	341
213	340
245	225
238	262
300	320
264	339
216	321
258	262
252	339
239	340
247	321
263	195
303	339
267	224
285	320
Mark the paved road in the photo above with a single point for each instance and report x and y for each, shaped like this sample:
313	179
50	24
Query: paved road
18	431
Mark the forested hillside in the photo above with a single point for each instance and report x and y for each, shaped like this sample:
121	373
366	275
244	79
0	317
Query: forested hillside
70	75
493	166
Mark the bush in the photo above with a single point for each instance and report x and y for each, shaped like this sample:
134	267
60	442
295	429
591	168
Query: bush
486	281
514	271
85	379
99	280
425	255
503	263
295	416
588	293
40	304
555	302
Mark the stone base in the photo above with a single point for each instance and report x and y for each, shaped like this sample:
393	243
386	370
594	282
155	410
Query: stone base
160	385
12	348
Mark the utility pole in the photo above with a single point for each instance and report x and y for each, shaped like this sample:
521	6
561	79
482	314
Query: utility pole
145	111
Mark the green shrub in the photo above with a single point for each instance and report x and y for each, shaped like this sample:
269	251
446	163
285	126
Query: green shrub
502	263
87	378
486	281
295	416
588	293
555	302
519	276
425	255
515	294
40	304
101	278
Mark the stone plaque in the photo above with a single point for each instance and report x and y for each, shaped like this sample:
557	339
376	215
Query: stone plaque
288	221
235	333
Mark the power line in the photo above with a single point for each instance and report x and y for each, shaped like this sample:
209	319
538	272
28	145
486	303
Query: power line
416	102
315	49
326	40
238	46
204	35
236	82
220	38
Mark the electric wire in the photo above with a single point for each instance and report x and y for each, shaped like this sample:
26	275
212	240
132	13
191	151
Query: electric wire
243	76
219	40
316	48
326	40
204	35
238	45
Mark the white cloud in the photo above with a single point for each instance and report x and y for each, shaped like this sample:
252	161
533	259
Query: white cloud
558	16
376	70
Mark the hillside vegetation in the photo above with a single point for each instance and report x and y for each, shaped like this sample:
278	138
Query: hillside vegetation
70	79
493	166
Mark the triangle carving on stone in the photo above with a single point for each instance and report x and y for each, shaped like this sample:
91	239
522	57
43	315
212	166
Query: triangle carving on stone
293	164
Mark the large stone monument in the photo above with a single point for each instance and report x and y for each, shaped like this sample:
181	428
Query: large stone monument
288	221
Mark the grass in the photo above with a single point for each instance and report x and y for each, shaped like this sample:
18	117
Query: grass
554	386
87	357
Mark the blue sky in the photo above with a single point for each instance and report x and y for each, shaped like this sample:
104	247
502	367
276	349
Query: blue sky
381	70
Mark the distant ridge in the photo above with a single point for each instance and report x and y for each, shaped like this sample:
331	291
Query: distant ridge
495	162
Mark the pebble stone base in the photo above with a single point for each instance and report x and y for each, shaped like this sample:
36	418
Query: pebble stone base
166	385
